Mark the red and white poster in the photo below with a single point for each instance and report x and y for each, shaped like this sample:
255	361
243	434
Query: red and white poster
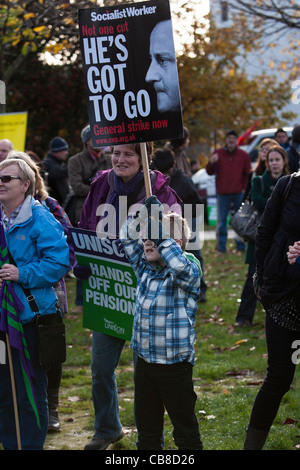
130	73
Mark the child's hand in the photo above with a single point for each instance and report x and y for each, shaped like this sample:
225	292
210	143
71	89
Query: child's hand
154	215
153	202
151	208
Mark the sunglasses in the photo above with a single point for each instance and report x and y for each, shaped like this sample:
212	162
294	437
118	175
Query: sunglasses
8	178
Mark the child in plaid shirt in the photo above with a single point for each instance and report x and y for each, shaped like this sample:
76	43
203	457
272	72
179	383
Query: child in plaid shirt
168	281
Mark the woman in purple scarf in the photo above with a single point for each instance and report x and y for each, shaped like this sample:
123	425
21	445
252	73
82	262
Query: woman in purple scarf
126	178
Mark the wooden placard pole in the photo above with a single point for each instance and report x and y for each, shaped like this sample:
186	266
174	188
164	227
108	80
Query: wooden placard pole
146	169
14	394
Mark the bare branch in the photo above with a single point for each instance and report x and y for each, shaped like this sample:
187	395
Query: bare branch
282	12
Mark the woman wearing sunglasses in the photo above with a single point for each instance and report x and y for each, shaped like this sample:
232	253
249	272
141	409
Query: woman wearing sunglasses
39	258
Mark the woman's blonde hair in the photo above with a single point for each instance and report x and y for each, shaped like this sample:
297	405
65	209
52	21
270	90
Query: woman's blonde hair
25	172
266	141
40	188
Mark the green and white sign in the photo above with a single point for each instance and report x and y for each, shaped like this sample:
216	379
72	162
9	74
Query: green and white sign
109	293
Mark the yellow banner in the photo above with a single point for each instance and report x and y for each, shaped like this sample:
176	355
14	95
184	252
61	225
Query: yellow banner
13	126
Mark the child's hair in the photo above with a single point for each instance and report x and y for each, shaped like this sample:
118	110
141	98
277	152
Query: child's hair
177	227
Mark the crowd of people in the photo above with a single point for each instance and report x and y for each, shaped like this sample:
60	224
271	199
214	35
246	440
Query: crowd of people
40	199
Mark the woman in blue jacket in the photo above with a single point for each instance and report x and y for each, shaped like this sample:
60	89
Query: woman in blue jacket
38	246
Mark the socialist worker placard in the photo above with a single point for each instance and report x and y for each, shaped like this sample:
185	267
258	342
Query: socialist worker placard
130	73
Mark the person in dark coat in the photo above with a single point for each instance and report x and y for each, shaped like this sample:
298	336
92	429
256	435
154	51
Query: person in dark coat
83	168
294	150
248	302
278	287
178	147
164	161
56	172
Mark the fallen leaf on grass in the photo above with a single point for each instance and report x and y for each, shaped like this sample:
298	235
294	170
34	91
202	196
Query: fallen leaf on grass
240	341
237	373
290	421
68	420
74	399
221	350
204	416
128	430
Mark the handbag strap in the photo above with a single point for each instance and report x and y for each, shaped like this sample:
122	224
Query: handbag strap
262	184
30	298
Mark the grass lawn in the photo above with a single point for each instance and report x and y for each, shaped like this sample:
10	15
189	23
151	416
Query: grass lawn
229	368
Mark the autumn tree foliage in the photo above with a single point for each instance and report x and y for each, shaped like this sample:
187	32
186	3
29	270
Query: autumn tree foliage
53	95
38	26
54	98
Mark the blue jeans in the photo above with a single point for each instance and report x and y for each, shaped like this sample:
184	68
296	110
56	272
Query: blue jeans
32	438
224	203
79	292
106	352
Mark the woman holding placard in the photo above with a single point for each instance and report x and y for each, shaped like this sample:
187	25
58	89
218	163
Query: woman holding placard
104	203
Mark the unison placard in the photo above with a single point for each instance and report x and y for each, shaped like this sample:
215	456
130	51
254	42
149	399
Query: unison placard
130	73
109	293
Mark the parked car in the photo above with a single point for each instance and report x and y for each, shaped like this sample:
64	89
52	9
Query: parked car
256	137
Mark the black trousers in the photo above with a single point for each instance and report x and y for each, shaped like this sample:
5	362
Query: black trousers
248	299
280	373
165	386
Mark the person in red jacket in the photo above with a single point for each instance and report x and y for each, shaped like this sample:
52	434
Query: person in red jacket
231	165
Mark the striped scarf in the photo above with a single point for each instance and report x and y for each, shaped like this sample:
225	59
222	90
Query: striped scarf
10	323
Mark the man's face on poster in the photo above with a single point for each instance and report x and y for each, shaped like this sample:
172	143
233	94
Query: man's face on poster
162	72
